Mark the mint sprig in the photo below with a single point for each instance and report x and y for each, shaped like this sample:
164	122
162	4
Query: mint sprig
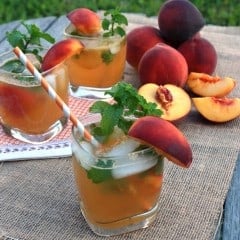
127	106
29	42
114	23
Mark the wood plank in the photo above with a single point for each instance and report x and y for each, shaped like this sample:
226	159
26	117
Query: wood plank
231	215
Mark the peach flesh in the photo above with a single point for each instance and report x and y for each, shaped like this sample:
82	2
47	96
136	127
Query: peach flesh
162	65
218	109
139	40
210	86
172	100
164	137
60	51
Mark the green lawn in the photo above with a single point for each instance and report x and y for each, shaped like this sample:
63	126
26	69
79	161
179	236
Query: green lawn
220	12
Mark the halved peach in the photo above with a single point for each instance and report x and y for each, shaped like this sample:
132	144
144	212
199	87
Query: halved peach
61	51
171	99
210	86
85	21
164	137
218	109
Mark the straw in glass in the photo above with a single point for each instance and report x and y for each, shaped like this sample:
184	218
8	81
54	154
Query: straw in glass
51	92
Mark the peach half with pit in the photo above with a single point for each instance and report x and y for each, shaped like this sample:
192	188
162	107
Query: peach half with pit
210	86
200	54
162	64
172	100
218	109
139	40
164	137
85	21
61	51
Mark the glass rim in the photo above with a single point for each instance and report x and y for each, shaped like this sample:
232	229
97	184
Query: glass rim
71	27
26	74
132	155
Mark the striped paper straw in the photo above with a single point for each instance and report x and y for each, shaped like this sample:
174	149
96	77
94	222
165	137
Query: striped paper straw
51	92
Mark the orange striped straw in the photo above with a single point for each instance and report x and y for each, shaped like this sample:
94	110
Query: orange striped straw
51	92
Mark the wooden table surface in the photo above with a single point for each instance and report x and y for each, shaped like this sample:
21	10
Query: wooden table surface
231	216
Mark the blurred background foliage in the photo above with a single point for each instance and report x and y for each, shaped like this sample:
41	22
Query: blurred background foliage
219	12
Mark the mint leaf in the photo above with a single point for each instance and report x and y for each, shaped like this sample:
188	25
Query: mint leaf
107	56
110	117
29	42
127	103
113	23
101	172
16	38
14	66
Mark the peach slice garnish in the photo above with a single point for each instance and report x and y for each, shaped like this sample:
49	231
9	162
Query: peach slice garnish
85	21
164	137
218	109
172	100
210	86
61	51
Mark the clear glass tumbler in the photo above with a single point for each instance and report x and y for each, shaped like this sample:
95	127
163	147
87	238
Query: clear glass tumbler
118	189
27	112
98	67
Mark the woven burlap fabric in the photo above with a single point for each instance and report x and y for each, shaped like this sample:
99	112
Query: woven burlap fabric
38	199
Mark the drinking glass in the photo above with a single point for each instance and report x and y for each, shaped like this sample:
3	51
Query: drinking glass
98	67
27	112
118	189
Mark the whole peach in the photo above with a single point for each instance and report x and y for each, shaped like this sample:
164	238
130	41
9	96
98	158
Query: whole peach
179	20
200	55
162	64
139	40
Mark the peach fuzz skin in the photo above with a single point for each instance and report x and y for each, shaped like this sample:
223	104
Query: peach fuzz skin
60	51
85	21
162	65
164	137
200	55
179	20
139	40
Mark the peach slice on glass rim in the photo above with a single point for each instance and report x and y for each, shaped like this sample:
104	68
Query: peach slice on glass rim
218	109
210	86
61	51
85	21
172	100
164	137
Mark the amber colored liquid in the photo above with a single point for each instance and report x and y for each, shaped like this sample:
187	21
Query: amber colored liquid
88	69
29	108
117	202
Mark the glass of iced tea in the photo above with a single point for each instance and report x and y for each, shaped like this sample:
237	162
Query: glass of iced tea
98	67
118	184
27	112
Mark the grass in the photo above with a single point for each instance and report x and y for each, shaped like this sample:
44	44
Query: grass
219	12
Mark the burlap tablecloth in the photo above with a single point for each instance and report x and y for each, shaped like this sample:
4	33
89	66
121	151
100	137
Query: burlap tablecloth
38	199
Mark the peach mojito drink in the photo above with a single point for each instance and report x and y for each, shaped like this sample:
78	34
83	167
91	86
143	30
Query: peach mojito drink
100	64
102	61
25	106
118	185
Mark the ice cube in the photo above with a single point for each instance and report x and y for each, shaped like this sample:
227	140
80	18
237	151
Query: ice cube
141	164
51	78
84	156
115	47
124	147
